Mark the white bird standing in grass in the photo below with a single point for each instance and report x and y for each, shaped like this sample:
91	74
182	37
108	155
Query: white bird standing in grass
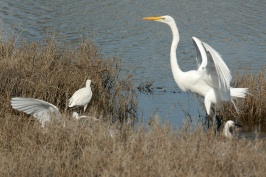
39	109
81	97
212	78
229	129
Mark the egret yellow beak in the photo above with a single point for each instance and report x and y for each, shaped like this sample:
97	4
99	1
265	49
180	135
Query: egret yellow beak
153	18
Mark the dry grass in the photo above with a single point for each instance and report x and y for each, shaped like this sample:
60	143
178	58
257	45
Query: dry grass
86	148
253	107
53	72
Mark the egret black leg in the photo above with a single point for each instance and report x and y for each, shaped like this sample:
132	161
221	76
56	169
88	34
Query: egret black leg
214	120
207	121
80	110
219	120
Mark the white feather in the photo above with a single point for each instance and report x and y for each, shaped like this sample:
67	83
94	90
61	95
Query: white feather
41	110
81	97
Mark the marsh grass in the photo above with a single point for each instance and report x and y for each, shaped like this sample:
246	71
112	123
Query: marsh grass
146	87
86	149
253	107
53	72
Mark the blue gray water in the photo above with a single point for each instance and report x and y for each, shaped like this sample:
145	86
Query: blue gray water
236	29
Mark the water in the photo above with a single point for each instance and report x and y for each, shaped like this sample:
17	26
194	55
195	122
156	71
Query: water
236	29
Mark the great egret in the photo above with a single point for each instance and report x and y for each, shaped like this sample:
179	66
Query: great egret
41	110
229	128
212	78
81	97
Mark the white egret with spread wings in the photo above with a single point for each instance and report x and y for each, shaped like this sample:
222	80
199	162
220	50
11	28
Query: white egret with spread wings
44	111
39	109
212	78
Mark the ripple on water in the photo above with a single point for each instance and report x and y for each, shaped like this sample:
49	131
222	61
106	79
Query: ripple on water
236	29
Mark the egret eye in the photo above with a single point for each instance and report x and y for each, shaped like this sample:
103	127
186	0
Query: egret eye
214	82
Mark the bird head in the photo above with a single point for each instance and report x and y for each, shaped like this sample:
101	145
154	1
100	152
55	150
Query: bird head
75	115
229	128
164	19
231	123
88	83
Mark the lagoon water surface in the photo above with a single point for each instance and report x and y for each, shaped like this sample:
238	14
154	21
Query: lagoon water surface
236	29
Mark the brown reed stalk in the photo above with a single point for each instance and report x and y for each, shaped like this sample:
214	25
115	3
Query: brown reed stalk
253	107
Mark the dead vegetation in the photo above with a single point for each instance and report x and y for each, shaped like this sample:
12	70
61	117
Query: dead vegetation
103	148
52	72
88	149
253	107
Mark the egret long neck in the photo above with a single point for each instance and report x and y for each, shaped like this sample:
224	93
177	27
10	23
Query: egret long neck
174	64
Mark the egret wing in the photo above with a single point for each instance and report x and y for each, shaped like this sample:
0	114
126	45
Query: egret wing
203	61
201	58
80	97
39	109
215	71
220	73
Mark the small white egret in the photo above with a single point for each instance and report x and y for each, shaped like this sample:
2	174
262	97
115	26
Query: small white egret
39	109
81	97
78	117
229	129
212	78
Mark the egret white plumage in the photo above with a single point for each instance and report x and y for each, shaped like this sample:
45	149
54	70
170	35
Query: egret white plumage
78	117
212	78
81	97
229	127
39	109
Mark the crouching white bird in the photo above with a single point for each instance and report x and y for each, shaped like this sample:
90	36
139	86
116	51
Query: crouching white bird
229	129
39	109
79	117
81	97
212	78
